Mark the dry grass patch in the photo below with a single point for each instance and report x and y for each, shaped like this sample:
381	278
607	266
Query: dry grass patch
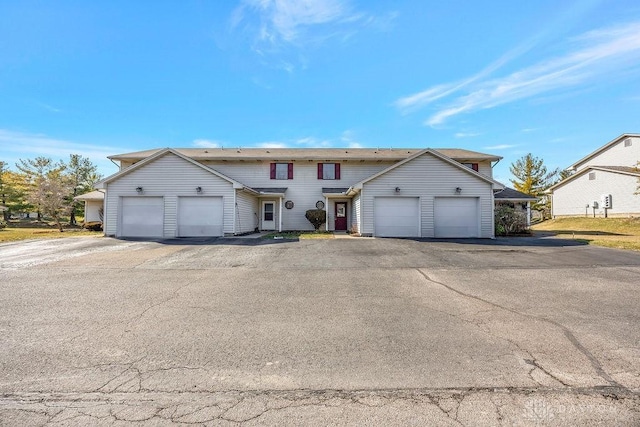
300	235
622	233
14	234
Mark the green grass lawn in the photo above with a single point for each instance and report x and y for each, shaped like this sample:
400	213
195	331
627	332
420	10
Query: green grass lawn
623	233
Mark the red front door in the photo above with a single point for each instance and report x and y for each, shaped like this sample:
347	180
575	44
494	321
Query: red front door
341	216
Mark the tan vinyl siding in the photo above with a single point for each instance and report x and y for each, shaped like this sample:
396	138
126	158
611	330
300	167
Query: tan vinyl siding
427	177
247	212
168	177
305	189
572	198
616	155
485	169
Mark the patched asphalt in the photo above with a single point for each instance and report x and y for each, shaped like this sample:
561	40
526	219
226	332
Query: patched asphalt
524	331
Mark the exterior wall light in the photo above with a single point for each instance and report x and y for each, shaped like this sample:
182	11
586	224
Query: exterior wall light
397	189
139	190
458	190
198	190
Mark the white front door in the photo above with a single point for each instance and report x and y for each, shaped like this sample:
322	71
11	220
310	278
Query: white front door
268	216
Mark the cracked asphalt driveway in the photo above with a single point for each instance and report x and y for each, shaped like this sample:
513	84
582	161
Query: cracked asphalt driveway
97	331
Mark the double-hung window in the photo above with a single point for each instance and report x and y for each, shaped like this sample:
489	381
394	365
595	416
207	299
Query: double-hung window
328	170
281	171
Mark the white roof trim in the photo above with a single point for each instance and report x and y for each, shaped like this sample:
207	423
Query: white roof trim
603	148
587	169
156	156
435	154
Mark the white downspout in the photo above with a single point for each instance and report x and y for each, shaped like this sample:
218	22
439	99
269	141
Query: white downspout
528	214
280	215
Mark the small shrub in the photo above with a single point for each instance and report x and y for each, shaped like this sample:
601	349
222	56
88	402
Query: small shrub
93	226
508	221
3	224
316	217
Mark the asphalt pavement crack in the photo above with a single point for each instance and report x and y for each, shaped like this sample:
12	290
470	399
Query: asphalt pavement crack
595	363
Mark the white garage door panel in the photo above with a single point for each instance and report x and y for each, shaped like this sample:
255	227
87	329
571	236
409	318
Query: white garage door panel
200	216
456	217
396	216
142	217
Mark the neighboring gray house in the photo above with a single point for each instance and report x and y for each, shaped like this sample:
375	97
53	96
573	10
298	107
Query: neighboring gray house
603	182
215	192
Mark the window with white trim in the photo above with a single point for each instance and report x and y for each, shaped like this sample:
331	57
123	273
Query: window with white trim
329	171
281	171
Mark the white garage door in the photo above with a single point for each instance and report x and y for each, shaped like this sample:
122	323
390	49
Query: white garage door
396	216
200	216
142	217
456	217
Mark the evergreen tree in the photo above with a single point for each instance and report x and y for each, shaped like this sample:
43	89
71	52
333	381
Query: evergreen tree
533	178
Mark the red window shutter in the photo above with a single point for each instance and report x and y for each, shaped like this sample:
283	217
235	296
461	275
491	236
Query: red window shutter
290	171
273	171
474	166
337	170
319	170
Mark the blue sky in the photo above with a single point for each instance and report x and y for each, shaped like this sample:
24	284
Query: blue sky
557	79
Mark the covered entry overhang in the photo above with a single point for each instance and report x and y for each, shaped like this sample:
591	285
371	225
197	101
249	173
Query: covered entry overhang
277	193
334	193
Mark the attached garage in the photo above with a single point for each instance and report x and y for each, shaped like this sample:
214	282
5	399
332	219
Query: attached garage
397	216
200	216
141	216
456	217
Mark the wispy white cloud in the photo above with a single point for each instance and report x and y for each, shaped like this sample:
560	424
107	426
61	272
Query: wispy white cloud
466	134
272	144
500	147
276	25
285	20
591	56
348	138
310	141
47	107
207	143
15	145
529	130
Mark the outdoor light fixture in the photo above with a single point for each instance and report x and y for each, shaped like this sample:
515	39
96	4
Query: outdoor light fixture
397	189
458	190
139	190
198	190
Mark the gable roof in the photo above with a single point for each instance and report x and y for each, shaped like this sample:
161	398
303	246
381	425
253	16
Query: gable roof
159	154
603	148
622	170
92	195
318	154
510	194
435	154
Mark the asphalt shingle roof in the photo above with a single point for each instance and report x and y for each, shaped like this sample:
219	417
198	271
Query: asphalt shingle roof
326	154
